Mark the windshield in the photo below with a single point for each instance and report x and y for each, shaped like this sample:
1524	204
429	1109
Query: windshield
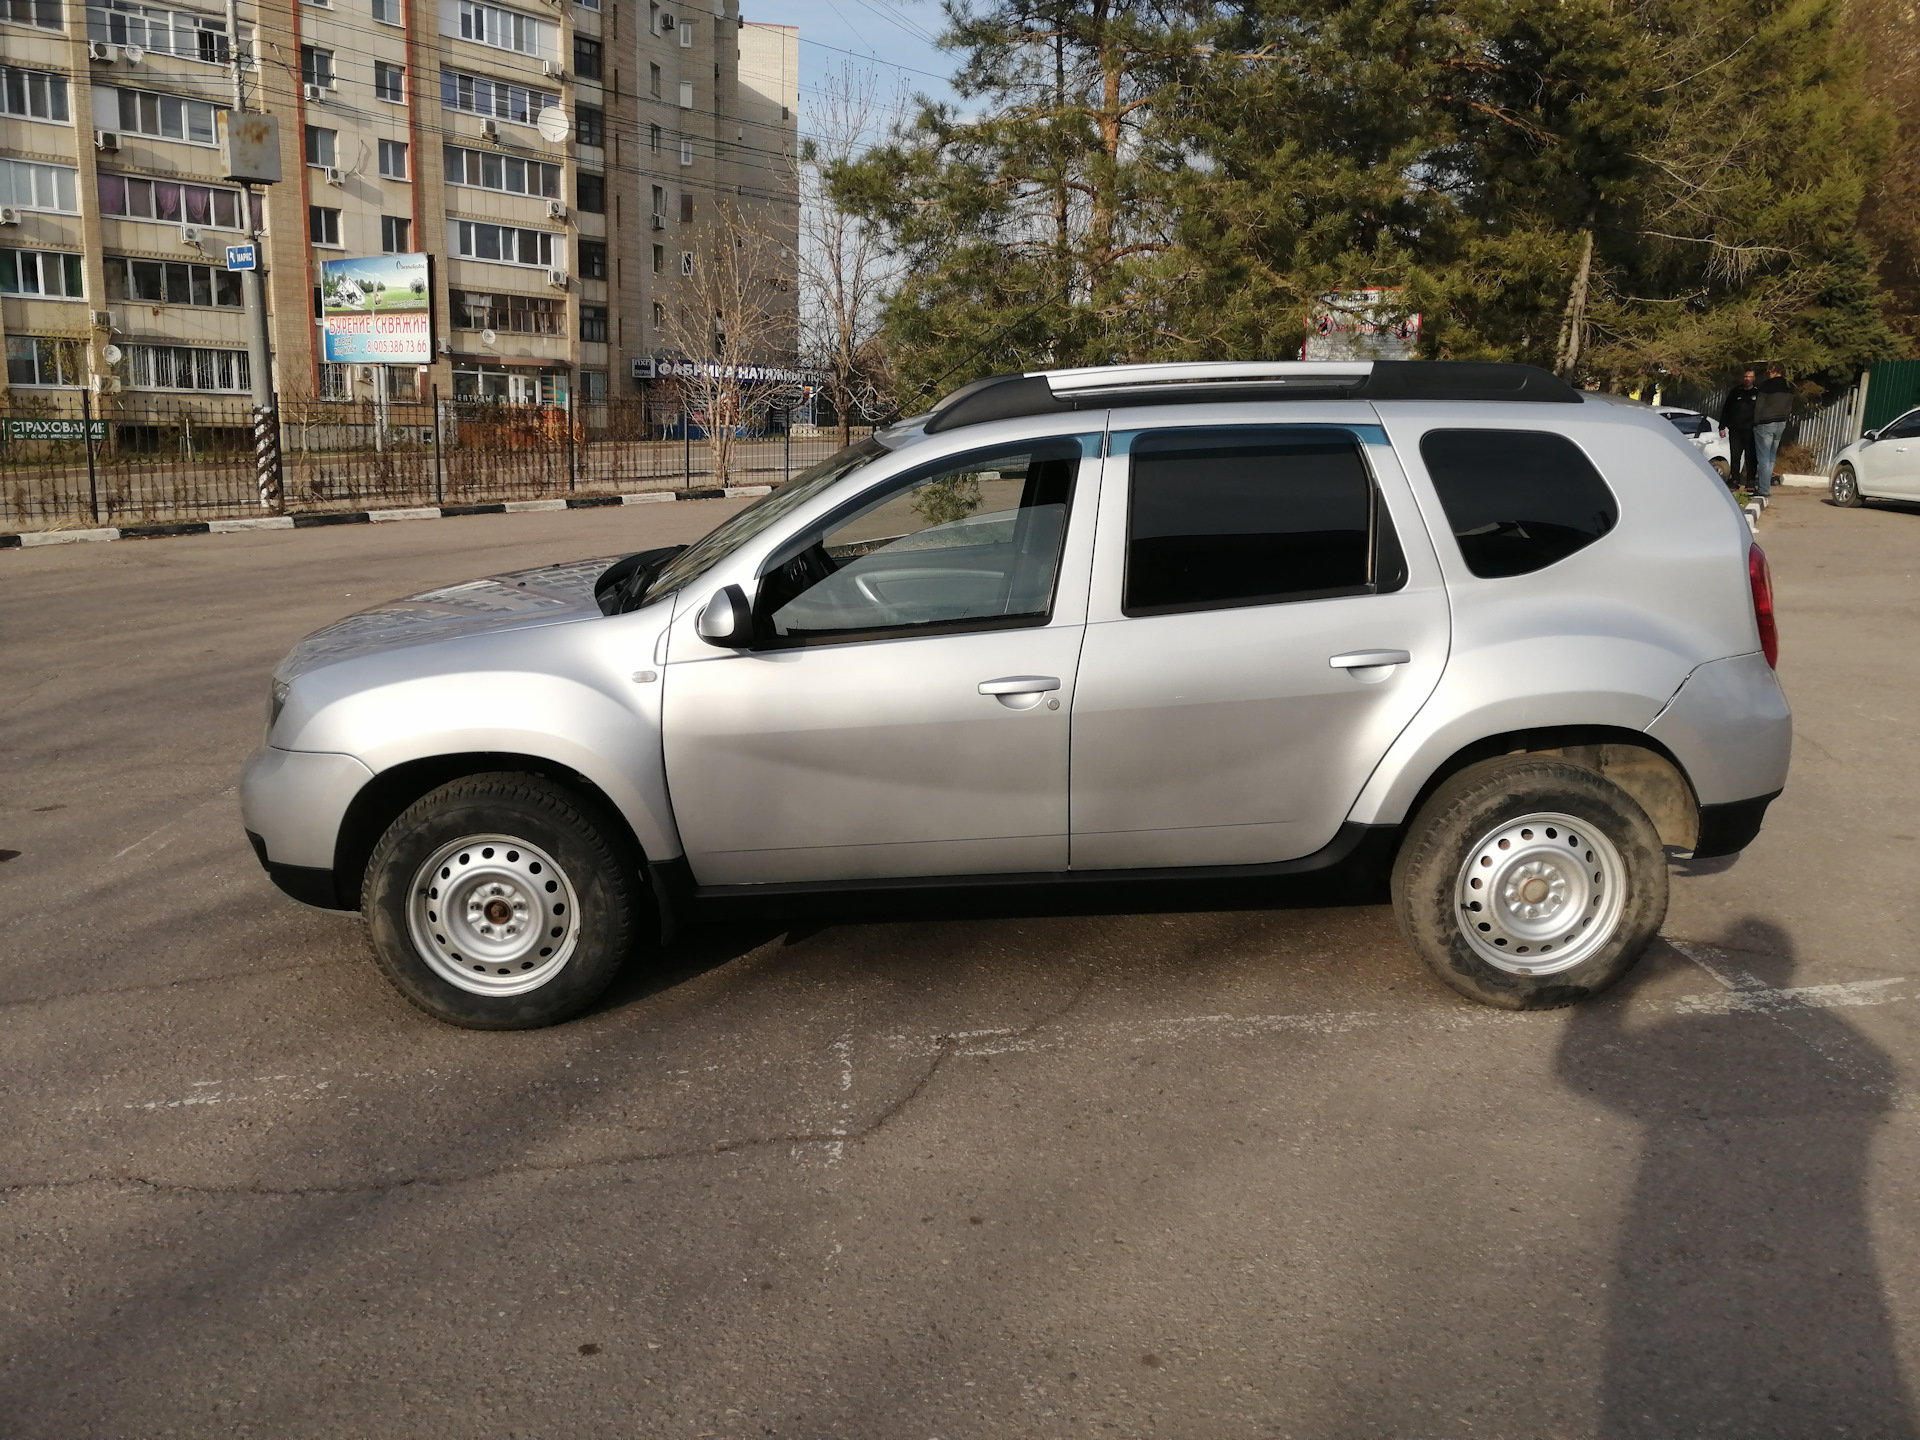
736	530
1690	424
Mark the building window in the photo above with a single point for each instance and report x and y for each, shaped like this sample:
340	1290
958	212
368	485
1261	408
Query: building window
43	13
592	255
133	198
387	12
686	262
653	81
165	32
316	66
169	282
393	159
474	240
653	139
686	33
323	225
593	324
586	58
182	367
396	234
38	360
591	122
507	30
686	151
33	95
41	272
390	82
515	314
509	174
659	207
659	314
166	117
590	192
686	94
478	95
593	386
333	380
321	146
686	208
659	259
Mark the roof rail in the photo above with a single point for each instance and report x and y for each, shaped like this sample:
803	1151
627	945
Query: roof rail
1046	392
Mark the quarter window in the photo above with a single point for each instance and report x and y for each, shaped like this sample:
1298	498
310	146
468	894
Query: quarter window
1517	500
1235	517
973	546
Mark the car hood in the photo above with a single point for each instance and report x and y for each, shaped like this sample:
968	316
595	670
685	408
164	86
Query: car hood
549	595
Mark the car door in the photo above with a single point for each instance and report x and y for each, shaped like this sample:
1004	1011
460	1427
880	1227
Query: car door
1890	466
1266	616
905	707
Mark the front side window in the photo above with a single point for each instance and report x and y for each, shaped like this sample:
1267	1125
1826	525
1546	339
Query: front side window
975	545
1240	516
1517	500
1905	428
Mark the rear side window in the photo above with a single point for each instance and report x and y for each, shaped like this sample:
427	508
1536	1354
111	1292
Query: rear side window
1517	500
1247	516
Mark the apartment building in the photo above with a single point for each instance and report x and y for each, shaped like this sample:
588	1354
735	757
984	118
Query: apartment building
556	158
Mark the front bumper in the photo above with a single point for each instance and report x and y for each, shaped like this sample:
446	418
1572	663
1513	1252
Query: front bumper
292	803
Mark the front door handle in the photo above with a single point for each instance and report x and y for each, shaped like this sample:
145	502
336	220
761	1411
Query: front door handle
1365	659
1020	685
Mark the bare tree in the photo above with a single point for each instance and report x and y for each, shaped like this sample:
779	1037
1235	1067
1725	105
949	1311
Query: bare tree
845	270
733	323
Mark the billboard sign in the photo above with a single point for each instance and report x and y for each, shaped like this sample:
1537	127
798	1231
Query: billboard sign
378	310
243	257
1361	325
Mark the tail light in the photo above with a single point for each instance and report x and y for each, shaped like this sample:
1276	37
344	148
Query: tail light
1761	577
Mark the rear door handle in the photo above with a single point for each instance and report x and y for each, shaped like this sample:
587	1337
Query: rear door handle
1361	659
1020	685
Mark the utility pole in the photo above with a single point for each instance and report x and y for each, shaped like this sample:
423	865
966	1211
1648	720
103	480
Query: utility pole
266	432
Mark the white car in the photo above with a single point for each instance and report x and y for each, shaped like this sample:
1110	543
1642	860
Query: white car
1882	464
1705	432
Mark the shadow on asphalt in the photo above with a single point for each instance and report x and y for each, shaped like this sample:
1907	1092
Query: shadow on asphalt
1746	1298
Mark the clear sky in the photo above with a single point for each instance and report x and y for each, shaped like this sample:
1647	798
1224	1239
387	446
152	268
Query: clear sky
892	38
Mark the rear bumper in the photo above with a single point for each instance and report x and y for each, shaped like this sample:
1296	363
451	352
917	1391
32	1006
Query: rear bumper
1730	828
1729	727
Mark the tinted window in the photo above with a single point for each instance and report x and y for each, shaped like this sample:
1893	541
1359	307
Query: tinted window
1517	500
1690	424
1246	517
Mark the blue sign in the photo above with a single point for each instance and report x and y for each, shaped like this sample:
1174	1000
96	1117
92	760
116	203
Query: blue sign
241	257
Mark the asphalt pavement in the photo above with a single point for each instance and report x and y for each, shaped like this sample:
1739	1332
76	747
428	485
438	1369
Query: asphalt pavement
1236	1169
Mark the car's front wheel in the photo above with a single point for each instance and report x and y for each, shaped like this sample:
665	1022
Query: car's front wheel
1530	883
504	902
1846	488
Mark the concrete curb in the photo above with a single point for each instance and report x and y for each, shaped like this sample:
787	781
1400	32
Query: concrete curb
30	538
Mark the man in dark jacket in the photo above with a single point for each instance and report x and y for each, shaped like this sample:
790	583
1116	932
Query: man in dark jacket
1736	422
1771	411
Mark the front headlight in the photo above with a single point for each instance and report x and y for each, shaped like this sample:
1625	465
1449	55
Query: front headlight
276	702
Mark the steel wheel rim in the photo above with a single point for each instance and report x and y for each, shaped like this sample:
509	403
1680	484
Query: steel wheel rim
493	915
1843	485
1541	894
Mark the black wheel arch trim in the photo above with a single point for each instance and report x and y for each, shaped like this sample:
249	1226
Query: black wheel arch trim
1729	828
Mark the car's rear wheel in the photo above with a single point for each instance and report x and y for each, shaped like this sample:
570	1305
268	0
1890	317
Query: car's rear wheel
504	902
1530	883
1846	488
1720	467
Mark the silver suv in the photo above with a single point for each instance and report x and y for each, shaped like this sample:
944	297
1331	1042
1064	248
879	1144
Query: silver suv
1459	622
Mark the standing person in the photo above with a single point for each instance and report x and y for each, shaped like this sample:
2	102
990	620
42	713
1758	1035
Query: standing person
1736	423
1771	411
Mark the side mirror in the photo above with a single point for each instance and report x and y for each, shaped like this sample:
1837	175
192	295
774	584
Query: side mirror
1869	435
728	619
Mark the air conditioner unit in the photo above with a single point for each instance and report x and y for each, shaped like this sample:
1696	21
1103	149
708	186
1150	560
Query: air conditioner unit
100	50
552	70
132	54
9	215
667	22
107	140
659	221
190	235
489	129
445	347
314	92
557	279
105	384
335	175
556	209
102	319
365	372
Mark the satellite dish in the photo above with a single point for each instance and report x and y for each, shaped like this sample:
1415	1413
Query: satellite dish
111	354
487	337
133	53
553	124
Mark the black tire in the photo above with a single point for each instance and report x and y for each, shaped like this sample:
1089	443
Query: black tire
1462	822
1720	467
535	843
1845	489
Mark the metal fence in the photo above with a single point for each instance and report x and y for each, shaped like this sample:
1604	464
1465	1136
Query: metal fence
147	460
